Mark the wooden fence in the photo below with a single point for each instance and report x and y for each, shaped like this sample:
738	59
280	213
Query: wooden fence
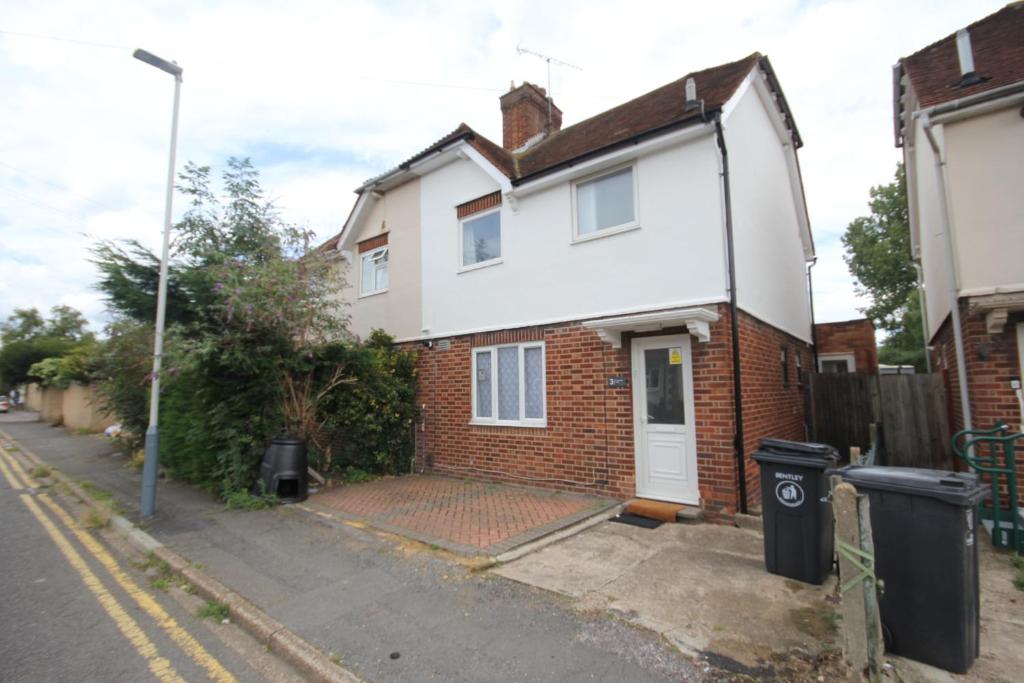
910	411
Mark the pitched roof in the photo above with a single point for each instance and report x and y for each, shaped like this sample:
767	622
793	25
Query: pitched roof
998	45
653	113
649	114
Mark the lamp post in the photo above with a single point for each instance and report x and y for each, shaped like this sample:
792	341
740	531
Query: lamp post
149	468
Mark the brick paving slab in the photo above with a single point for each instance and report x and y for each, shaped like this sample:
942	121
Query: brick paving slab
464	516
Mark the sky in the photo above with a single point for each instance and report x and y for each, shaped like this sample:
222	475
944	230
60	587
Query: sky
325	94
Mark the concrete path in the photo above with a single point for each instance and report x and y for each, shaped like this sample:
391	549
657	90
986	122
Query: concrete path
703	587
390	610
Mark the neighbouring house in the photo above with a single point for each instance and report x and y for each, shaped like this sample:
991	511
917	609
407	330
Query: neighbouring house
619	307
959	120
847	346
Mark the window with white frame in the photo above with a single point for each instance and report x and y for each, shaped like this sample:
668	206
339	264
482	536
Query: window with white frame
605	204
374	271
836	363
509	385
481	238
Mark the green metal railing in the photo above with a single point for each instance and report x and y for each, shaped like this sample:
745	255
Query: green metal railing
992	452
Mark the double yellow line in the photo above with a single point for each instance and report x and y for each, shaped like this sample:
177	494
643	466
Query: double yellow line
161	668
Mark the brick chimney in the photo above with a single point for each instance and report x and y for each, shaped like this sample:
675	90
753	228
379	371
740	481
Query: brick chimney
524	114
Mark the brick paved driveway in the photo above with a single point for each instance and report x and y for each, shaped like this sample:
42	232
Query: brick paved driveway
461	515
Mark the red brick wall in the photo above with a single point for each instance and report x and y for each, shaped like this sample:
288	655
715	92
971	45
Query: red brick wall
851	336
992	360
770	407
588	445
524	113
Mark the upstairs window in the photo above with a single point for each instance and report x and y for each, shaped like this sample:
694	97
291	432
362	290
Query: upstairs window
374	271
509	385
605	204
481	239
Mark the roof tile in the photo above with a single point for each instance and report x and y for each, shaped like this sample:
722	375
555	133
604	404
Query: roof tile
651	112
998	45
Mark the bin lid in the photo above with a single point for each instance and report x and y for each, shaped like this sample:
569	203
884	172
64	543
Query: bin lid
957	488
800	453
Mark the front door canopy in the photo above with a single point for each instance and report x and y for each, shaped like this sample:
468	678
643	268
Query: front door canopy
696	320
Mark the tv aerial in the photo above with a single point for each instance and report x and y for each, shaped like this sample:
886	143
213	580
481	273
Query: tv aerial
520	50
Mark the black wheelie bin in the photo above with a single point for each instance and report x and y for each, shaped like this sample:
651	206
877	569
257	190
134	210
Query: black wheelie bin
926	558
796	508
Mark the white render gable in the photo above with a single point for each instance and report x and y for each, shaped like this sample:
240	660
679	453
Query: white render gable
668	252
673	257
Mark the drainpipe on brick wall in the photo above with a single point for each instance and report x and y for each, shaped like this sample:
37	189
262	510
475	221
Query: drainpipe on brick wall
954	287
810	298
737	380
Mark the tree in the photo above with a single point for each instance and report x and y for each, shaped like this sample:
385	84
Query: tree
21	325
878	256
29	339
878	253
252	309
68	323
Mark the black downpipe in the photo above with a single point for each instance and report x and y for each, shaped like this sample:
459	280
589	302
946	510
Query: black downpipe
737	380
814	329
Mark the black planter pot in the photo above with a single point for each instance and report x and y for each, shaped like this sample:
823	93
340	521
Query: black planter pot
284	470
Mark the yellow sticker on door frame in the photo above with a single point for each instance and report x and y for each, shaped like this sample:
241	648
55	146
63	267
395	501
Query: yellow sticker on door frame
675	356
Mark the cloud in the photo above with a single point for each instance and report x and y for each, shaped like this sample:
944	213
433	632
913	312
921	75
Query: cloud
320	95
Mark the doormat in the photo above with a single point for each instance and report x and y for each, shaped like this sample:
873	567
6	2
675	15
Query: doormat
634	520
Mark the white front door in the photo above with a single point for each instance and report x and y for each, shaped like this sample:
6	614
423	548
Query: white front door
663	424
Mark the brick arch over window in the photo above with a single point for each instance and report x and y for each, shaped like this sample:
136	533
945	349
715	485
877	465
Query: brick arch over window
488	201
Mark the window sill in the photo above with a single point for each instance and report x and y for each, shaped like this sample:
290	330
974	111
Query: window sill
483	264
369	294
607	232
538	424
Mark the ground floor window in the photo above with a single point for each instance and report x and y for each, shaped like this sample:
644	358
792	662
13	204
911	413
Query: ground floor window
509	385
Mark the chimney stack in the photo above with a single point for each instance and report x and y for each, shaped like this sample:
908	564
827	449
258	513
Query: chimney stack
525	114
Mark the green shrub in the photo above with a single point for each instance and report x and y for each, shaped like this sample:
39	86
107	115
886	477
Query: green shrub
243	500
123	366
256	345
372	420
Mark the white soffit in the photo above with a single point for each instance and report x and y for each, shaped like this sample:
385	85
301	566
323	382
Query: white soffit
696	320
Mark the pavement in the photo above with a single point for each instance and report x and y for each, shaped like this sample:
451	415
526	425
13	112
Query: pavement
78	605
461	515
386	607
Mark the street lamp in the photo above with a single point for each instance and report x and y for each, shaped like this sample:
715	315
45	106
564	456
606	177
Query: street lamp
149	468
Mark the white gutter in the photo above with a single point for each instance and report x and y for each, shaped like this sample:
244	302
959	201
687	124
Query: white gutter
954	289
997	98
691	132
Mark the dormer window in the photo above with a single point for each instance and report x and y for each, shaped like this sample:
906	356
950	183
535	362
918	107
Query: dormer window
605	204
374	271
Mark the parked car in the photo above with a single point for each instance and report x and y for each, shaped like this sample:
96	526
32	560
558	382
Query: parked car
5	404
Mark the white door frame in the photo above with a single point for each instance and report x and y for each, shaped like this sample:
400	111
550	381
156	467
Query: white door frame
638	346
